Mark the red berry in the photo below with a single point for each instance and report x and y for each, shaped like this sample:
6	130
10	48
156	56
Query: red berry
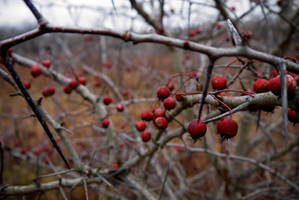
219	83
170	86
222	94
163	92
120	107
107	100
158	112
275	86
192	33
108	65
275	73
147	115
47	63
179	95
35	70
219	26
197	129
67	89
296	77
24	150
293	116
125	93
140	126
186	44
227	127
114	166
105	123
27	84
82	80
51	90
9	51
161	122
1	60
73	83
146	136
198	31
232	8
261	85
169	103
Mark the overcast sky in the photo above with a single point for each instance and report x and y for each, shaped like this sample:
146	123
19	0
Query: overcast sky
100	13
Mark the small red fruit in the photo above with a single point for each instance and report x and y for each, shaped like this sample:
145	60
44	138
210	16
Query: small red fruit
222	94
35	70
140	126
146	136
297	56
47	63
114	166
9	51
67	89
197	129
227	127
261	85
107	100
275	73
161	122
125	93
24	150
82	80
120	107
159	112
179	95
163	92
105	123
27	84
51	90
275	86
169	103
293	116
108	65
232	8
170	86
1	60
296	77
73	83
219	26
198	31
192	33
147	115
219	82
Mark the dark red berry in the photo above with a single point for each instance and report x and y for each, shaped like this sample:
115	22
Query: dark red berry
161	122
293	116
227	127
275	86
163	92
73	83
82	80
179	95
140	126
114	166
108	65
197	129
107	100
198	31
24	150
170	86
158	112
147	115
219	82
105	123
35	70
120	107
146	136
296	77
261	85
67	89
169	103
275	73
51	90
192	33
219	26
125	93
47	63
27	84
9	51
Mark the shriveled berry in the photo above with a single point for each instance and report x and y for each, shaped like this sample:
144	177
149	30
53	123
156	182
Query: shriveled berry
47	63
140	126
169	103
219	82
120	107
82	80
163	92
261	85
147	115
105	123
35	70
73	83
170	86
197	129
67	89
161	122
107	100
293	116
27	84
227	127
146	136
275	86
